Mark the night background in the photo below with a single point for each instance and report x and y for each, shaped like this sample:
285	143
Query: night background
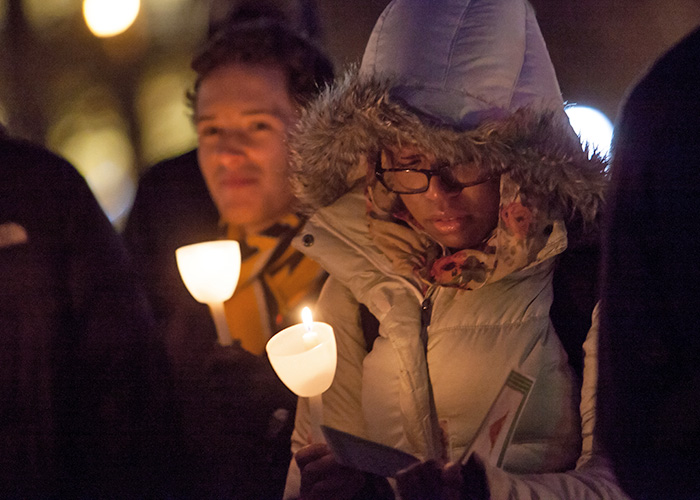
113	106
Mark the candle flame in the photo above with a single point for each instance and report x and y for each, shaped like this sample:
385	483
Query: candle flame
310	337
307	319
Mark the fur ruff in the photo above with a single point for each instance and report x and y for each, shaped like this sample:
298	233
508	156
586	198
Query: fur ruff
347	125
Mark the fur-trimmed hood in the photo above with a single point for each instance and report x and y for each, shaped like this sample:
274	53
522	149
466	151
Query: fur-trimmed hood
467	80
343	131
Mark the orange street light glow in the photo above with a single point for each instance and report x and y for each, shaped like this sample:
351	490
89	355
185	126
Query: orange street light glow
110	17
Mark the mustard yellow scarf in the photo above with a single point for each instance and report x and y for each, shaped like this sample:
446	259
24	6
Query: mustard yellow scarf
276	281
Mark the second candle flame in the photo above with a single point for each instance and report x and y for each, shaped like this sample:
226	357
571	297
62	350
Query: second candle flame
310	336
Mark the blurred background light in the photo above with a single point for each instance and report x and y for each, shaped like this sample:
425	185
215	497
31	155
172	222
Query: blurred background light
166	126
43	14
91	133
3	114
175	22
110	17
593	128
105	157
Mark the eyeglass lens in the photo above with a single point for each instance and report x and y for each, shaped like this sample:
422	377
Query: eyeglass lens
414	176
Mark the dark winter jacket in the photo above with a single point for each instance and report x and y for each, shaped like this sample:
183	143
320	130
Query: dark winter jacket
80	372
236	415
648	414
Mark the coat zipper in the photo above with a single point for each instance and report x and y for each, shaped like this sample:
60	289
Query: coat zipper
426	309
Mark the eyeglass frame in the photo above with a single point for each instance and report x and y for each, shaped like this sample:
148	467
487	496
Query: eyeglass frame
450	183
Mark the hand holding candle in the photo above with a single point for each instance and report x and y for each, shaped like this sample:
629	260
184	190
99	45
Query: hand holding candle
210	271
304	357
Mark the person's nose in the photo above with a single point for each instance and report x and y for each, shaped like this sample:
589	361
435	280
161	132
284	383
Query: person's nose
232	147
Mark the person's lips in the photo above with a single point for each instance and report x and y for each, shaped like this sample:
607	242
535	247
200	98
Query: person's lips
448	223
234	182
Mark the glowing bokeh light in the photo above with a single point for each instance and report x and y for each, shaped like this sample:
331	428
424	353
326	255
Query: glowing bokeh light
110	17
166	125
3	115
593	127
104	157
43	15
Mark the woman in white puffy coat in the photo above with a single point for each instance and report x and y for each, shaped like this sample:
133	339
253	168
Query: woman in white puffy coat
445	183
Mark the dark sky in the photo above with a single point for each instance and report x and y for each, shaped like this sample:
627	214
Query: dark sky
599	47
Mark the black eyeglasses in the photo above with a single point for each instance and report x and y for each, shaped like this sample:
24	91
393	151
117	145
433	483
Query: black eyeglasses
417	180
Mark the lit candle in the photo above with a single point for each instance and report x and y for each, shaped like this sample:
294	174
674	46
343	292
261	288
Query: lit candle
304	357
210	271
310	336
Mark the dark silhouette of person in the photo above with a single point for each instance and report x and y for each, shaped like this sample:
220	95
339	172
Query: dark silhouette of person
83	381
649	385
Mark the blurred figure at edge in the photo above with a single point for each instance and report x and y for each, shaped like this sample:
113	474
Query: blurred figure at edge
649	386
254	75
83	383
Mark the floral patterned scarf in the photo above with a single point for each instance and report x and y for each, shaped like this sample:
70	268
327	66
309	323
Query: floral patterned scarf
525	235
